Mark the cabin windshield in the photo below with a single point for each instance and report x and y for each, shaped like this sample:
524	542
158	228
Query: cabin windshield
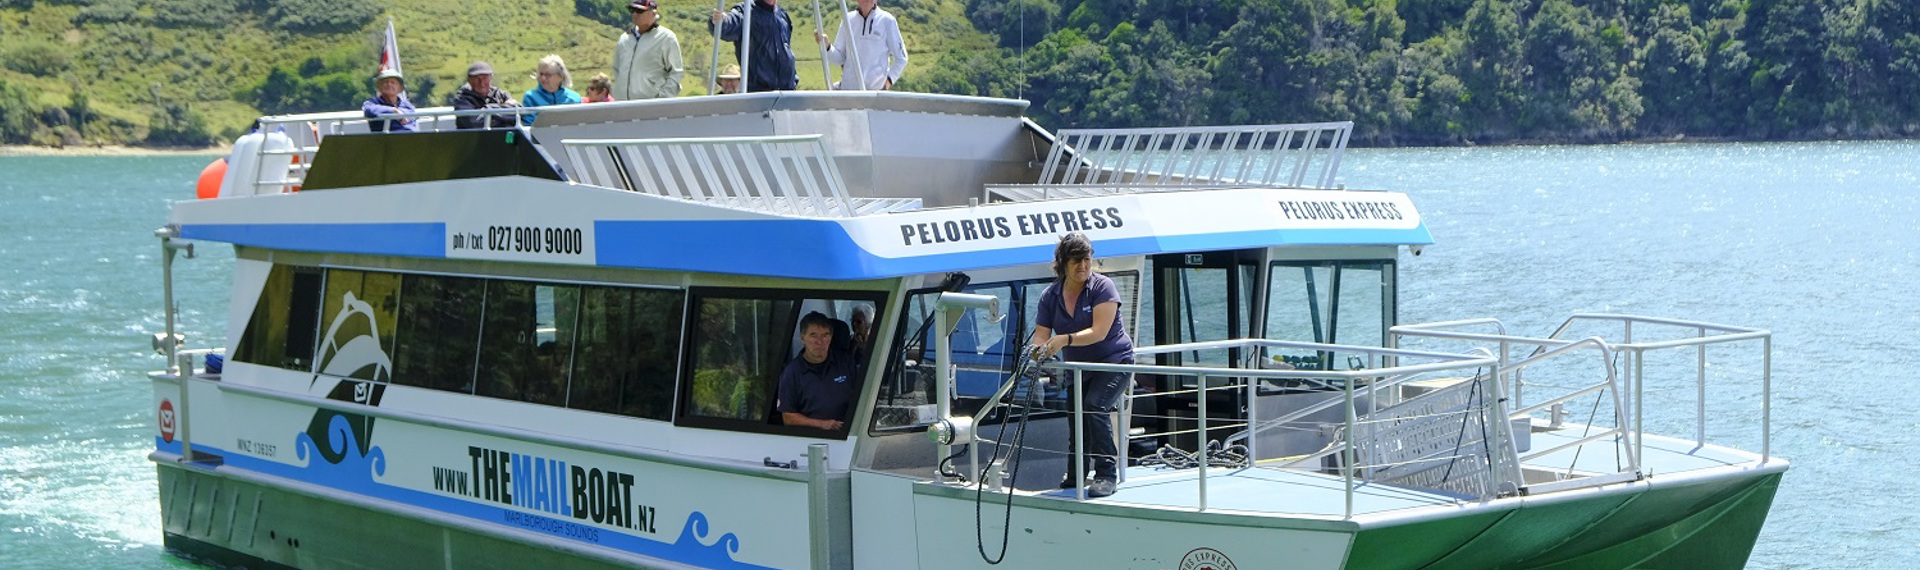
984	352
1333	302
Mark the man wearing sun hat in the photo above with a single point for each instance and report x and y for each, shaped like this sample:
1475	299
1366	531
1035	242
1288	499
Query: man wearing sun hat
390	98
646	60
479	93
729	79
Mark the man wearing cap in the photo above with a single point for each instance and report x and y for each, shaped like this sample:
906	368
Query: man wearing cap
769	61
729	79
390	98
646	61
479	93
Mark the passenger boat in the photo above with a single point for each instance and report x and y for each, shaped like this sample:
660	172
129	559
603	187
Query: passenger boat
558	347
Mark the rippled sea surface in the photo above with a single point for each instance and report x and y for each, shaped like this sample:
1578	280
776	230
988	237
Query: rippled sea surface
1817	242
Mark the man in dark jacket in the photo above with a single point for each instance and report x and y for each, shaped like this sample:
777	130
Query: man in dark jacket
769	61
479	93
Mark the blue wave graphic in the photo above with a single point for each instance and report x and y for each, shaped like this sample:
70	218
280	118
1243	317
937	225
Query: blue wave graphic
357	469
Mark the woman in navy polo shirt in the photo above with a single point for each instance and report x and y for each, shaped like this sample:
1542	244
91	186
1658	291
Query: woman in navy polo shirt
1079	315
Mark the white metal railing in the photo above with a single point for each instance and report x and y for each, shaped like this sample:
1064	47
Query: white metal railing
1628	381
305	132
1361	428
1298	156
792	175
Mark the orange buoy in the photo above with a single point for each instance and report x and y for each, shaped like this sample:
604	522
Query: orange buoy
209	184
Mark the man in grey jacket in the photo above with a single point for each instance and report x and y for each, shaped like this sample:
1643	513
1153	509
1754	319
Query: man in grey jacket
646	61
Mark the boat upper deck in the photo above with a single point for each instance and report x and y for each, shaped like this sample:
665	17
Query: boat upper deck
818	185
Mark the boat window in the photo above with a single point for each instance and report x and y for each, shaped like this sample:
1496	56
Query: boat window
358	312
604	349
527	341
741	342
627	352
285	318
1335	302
439	332
983	352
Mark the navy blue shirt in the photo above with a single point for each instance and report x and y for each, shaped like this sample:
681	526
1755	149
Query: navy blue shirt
1116	348
823	391
771	67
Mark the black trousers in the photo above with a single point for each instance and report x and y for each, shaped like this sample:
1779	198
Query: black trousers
1102	397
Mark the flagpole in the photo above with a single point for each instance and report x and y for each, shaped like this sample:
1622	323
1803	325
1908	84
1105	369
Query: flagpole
826	75
746	46
713	74
853	49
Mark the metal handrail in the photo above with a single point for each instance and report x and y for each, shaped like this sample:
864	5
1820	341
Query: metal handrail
1704	334
1380	378
786	174
1724	334
1270	155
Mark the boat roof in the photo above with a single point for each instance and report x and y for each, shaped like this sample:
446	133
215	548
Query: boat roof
804	185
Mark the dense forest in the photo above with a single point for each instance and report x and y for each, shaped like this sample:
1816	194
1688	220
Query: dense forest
1453	71
1407	72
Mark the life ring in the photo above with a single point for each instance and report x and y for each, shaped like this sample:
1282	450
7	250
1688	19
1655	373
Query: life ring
209	184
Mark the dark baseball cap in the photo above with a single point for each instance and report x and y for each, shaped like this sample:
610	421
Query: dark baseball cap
642	5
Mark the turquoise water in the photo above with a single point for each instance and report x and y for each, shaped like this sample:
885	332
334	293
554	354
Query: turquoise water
1816	241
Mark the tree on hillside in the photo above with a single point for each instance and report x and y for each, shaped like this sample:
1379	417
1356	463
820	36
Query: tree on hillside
1491	68
1674	60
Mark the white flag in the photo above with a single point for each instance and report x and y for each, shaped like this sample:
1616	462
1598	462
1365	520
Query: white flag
390	53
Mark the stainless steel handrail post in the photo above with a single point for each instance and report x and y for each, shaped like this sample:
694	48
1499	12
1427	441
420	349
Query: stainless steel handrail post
1700	386
1202	443
819	500
1766	398
1348	457
1076	460
1639	402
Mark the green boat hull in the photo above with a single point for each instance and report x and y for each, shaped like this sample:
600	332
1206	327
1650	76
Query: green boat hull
1702	525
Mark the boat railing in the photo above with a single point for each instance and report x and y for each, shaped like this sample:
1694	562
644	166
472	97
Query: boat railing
305	131
787	174
1640	337
1293	156
1032	192
1360	437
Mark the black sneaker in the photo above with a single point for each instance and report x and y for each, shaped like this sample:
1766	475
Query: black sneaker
1068	482
1101	487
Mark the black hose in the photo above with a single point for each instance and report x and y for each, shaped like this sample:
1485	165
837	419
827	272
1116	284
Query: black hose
1025	376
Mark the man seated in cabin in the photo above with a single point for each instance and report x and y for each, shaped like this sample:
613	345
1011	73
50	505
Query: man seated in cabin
818	387
479	93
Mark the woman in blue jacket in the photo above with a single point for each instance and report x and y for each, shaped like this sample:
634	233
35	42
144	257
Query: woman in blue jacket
555	87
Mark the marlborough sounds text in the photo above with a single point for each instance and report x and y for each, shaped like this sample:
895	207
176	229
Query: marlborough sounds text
1044	223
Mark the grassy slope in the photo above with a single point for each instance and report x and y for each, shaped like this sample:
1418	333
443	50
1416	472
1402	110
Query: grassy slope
121	65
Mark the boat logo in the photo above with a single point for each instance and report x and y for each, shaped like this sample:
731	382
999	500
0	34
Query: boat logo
1206	559
166	420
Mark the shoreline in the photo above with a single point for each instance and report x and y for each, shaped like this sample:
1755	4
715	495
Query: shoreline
108	150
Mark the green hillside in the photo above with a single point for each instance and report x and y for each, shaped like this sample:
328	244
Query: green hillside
194	72
191	72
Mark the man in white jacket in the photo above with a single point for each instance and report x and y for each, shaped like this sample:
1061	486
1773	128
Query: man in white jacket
646	61
875	46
